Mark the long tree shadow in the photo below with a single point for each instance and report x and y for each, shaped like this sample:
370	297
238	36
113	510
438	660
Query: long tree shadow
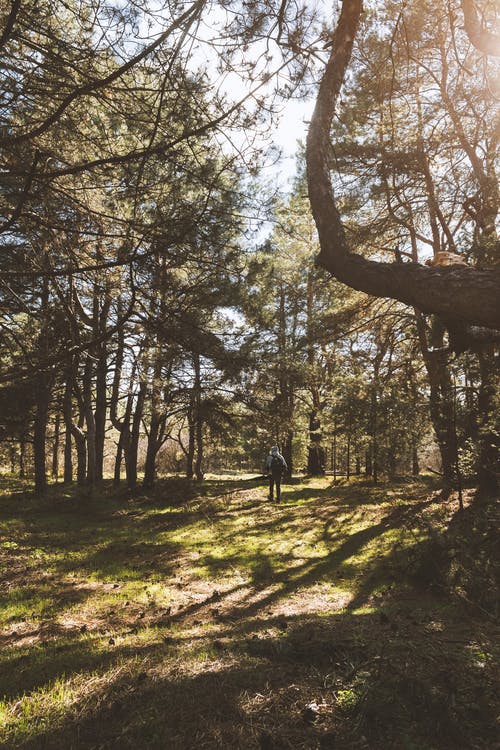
314	682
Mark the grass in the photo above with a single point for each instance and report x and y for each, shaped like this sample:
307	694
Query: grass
202	616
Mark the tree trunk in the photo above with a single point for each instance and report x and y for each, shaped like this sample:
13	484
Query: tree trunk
374	447
22	457
68	452
42	396
489	426
132	457
348	457
55	447
152	450
287	452
68	458
198	414
191	441
73	430
316	452
441	400
154	436
100	410
123	446
118	461
122	425
89	421
415	466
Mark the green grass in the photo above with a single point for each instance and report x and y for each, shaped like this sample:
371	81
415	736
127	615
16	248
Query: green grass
203	616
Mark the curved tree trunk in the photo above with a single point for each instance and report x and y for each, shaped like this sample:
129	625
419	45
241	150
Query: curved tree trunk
462	297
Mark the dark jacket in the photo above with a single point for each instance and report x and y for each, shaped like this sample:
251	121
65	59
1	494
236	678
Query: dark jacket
276	468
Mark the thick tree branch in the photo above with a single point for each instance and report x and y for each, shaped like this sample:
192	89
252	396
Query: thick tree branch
462	295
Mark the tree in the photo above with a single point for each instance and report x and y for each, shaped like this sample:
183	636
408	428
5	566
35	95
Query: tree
406	172
463	300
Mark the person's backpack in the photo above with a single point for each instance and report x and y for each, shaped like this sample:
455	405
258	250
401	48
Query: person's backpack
276	465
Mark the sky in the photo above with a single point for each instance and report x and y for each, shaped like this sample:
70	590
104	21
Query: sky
295	114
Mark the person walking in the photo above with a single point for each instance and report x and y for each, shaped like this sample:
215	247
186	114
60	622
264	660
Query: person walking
275	468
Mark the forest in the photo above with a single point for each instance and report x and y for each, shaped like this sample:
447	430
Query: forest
174	302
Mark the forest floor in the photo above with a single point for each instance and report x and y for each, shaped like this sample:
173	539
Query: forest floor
204	616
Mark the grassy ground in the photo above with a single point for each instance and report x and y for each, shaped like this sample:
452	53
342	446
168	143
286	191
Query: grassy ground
205	617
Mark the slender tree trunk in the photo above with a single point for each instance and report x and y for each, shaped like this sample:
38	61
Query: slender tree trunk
42	397
489	426
348	456
198	418
100	410
151	451
89	421
55	447
101	306
123	446
154	438
198	466
40	432
415	466
81	455
191	441
287	451
316	452
22	457
118	461
133	453
67	416
374	448
68	458
73	430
